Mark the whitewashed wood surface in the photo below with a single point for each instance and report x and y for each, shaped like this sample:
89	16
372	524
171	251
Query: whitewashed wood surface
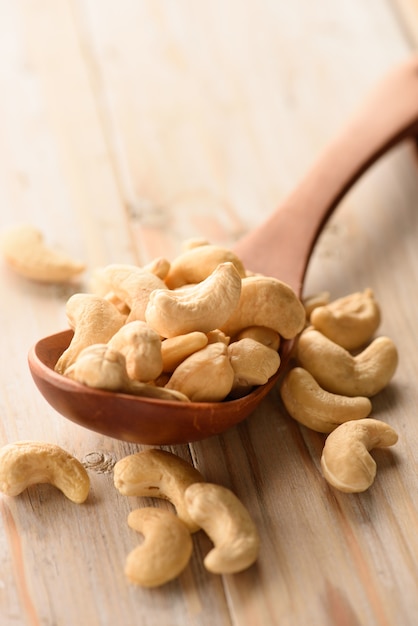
125	128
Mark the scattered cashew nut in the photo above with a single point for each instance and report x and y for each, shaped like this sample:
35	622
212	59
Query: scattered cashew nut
158	474
26	463
24	250
165	551
316	408
337	371
350	321
346	462
228	524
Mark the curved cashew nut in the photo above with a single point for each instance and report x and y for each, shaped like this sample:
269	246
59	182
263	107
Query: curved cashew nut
157	474
363	375
165	551
269	302
24	250
94	320
26	463
253	362
316	408
197	263
350	321
204	376
131	284
175	349
141	347
102	367
202	307
228	524
346	462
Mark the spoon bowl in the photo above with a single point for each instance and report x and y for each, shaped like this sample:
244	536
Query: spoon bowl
281	247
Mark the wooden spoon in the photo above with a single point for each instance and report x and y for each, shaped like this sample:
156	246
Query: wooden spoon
281	247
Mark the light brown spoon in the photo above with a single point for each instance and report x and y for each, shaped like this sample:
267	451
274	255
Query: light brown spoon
281	247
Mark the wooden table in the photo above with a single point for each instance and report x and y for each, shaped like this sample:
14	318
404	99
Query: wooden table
125	128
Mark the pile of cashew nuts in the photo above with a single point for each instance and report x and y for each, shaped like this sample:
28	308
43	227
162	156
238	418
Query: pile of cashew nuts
200	328
340	365
155	473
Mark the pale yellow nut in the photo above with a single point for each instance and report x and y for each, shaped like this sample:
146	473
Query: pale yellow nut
205	376
316	408
197	263
94	320
202	307
131	284
141	347
269	302
350	321
228	524
26	463
262	334
165	551
346	461
25	251
157	474
175	349
102	367
253	362
337	371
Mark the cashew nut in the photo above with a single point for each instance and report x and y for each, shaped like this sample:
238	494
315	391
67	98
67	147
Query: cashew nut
253	363
158	474
141	347
350	321
131	284
202	307
316	408
269	302
102	367
197	263
266	336
227	523
337	371
26	463
346	462
205	376
176	349
94	320
24	250
165	551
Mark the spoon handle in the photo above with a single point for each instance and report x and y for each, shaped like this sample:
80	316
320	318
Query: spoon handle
282	246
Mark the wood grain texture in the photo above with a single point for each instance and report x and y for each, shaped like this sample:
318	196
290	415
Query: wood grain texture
126	128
